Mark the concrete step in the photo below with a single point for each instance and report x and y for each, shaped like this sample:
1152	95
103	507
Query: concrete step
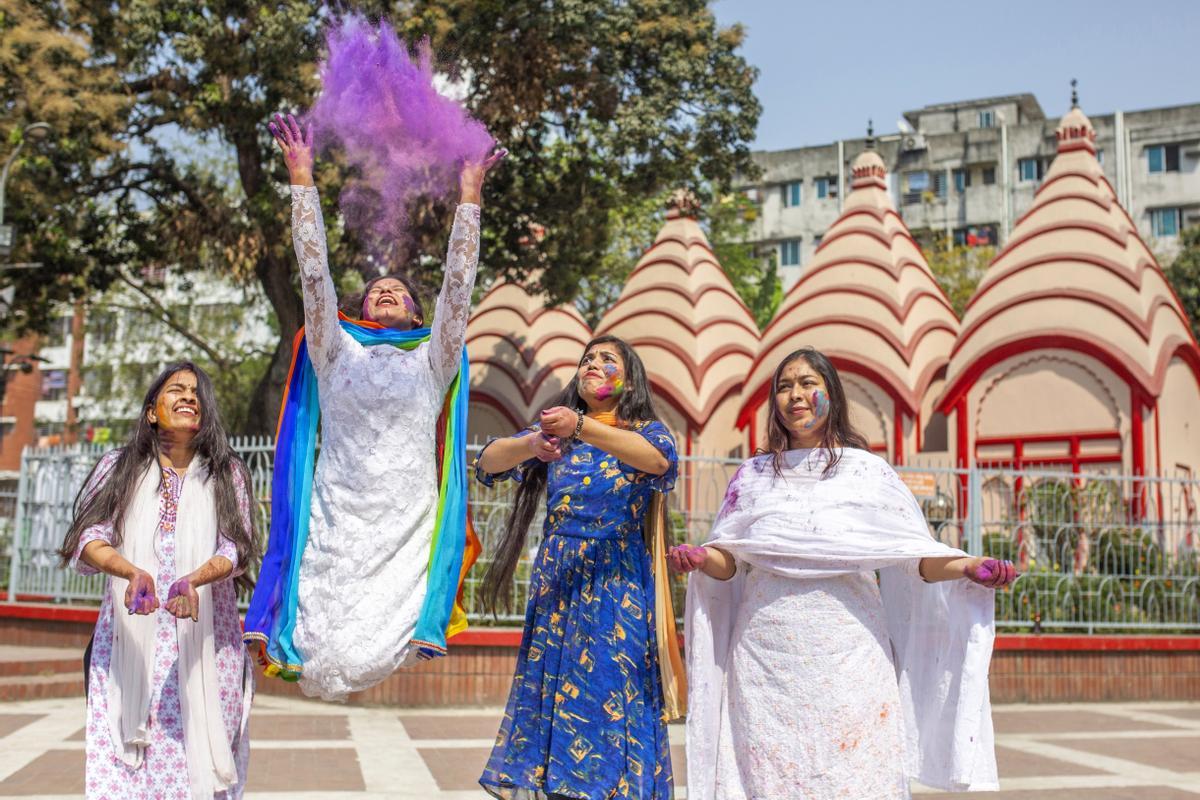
18	660
28	687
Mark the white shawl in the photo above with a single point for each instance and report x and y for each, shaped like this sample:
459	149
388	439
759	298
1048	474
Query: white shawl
861	518
211	765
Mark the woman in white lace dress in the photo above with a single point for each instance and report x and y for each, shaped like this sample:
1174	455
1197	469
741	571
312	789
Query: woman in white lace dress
808	676
362	576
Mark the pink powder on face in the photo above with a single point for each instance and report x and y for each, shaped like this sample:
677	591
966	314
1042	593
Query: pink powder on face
379	107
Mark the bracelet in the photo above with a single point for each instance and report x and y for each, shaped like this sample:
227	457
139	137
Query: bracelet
578	425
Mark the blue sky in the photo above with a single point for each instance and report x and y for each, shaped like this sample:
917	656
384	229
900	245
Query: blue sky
825	67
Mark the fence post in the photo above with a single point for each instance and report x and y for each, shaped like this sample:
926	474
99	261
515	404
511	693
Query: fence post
14	564
974	511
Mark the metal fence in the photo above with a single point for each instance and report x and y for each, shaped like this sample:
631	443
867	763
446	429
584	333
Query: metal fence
1098	552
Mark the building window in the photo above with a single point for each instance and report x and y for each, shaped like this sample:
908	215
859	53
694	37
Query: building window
1030	169
1163	158
962	179
975	236
987	119
54	384
939	184
915	185
789	253
789	194
59	333
826	187
988	175
1100	155
1164	221
103	326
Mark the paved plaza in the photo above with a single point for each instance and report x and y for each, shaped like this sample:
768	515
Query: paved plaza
305	750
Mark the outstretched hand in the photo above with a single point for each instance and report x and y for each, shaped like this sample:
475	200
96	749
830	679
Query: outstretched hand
183	600
139	594
470	179
686	558
297	147
991	572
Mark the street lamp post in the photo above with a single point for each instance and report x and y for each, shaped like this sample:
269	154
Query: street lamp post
38	130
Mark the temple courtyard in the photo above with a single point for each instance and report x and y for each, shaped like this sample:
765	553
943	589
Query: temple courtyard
303	749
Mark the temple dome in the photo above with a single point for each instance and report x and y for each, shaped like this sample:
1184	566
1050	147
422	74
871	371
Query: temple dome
694	333
522	352
868	300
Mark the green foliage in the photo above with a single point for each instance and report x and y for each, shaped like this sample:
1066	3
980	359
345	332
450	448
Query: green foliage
957	268
1184	274
162	157
754	277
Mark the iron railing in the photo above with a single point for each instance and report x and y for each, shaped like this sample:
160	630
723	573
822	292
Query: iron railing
1098	552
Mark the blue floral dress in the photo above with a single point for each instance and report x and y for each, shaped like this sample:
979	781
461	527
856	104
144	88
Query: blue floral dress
584	718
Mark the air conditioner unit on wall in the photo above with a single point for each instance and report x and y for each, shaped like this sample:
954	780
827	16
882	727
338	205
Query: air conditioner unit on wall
914	141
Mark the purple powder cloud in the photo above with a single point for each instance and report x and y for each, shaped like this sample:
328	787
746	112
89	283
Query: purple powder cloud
378	105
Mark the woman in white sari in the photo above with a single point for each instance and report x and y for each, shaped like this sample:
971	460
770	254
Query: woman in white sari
808	677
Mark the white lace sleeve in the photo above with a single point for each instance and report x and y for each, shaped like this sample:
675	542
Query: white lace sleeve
321	329
454	301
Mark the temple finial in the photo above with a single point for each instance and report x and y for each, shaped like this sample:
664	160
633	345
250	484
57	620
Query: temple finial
1074	94
870	134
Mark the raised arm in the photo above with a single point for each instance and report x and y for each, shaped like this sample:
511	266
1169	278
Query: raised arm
462	260
321	329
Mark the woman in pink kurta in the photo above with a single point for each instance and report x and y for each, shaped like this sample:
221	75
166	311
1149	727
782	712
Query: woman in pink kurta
180	438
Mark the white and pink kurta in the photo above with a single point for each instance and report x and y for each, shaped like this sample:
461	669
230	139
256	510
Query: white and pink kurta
163	772
810	678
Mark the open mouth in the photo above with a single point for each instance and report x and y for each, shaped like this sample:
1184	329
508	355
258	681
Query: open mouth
186	411
387	300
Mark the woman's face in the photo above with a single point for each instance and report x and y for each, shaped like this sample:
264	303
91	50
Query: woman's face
599	371
177	410
391	305
802	401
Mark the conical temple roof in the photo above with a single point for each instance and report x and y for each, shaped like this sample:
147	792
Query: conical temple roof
1074	274
680	312
522	352
867	300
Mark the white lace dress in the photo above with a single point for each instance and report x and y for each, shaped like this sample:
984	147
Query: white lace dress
362	576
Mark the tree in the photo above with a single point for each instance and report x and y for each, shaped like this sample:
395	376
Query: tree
754	276
601	102
1184	274
47	74
957	268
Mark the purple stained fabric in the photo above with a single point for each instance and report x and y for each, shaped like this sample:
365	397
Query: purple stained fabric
379	108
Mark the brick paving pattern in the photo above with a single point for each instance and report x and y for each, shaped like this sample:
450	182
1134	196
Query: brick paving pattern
303	750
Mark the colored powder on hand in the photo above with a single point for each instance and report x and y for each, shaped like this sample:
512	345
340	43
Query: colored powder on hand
405	140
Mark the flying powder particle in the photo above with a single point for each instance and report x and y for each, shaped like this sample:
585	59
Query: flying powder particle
404	139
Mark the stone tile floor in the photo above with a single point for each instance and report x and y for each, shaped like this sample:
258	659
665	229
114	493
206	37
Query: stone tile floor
304	750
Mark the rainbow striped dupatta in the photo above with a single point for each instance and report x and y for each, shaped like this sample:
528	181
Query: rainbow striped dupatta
271	618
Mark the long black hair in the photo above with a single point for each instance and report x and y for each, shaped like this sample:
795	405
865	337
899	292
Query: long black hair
352	305
837	433
634	405
111	502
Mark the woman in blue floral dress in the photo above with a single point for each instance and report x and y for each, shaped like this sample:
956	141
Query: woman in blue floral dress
585	717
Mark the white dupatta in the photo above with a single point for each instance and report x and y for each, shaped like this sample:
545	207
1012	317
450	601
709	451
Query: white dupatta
211	765
861	518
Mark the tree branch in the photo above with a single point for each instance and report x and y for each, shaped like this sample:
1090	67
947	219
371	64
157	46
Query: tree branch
164	315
